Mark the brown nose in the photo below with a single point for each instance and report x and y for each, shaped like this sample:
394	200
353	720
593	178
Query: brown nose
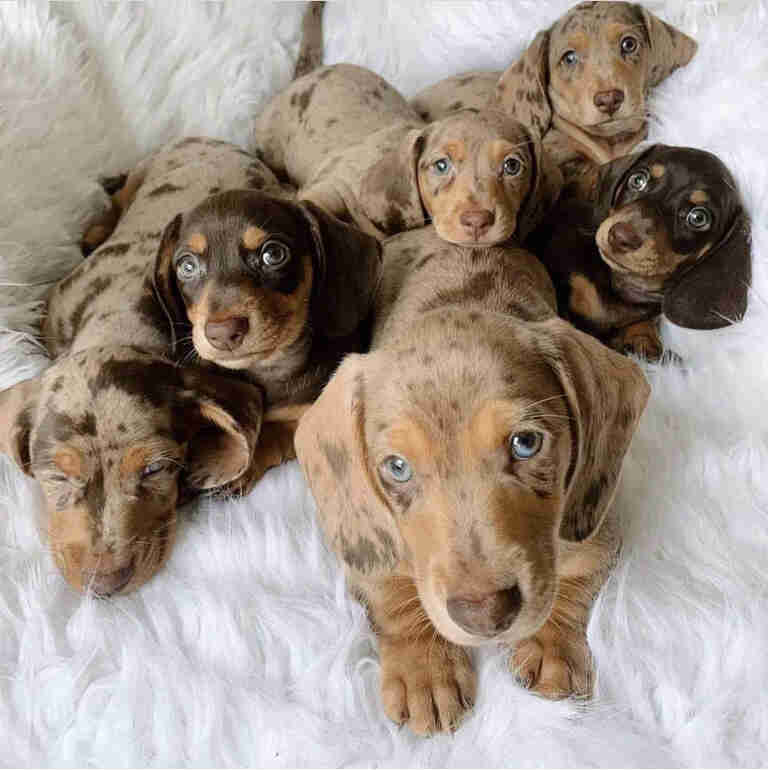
609	101
623	237
227	334
107	583
488	616
477	221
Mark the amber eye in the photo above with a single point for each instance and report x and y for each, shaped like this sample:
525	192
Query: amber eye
569	58
526	444
512	166
629	44
188	267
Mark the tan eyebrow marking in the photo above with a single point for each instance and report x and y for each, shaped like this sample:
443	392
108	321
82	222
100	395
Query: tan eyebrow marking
658	170
253	237
699	196
197	242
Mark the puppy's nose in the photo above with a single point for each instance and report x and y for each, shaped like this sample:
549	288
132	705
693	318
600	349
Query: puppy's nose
489	615
108	583
609	101
227	334
623	237
477	221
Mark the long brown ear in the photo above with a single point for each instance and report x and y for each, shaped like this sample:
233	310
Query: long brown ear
522	90
670	48
17	405
221	422
389	194
331	447
606	395
713	293
166	289
610	176
348	268
545	190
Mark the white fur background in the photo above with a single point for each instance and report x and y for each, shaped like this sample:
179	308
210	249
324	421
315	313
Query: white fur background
246	649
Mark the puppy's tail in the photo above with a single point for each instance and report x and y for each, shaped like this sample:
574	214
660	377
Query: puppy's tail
311	48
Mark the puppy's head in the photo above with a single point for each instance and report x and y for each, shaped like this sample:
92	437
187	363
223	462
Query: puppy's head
483	178
673	230
116	437
256	276
593	68
461	461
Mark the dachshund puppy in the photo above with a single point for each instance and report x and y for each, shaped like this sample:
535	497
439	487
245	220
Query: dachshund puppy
464	470
356	149
665	233
581	85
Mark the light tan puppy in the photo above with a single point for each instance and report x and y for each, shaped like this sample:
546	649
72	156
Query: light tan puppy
464	470
356	149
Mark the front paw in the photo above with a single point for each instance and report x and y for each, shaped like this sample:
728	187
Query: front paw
428	684
553	667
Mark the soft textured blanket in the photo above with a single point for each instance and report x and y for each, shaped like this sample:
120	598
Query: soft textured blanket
246	649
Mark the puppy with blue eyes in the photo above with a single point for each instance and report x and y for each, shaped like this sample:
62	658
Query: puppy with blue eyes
664	232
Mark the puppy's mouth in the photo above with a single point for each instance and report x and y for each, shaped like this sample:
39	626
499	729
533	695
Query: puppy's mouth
617	129
105	584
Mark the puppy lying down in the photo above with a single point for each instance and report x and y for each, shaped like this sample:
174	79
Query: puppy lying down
464	471
115	431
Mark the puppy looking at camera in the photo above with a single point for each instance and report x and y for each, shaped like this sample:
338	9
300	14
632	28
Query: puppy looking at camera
464	471
355	148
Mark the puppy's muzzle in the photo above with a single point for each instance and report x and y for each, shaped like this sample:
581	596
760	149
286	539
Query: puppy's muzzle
622	237
488	616
107	583
477	222
227	334
609	101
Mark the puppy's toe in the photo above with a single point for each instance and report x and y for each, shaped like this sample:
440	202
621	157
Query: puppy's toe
550	670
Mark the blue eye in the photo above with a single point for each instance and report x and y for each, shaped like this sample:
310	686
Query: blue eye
153	468
526	445
570	58
188	267
442	165
398	468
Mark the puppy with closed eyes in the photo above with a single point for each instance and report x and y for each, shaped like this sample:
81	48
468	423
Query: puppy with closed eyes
464	470
664	233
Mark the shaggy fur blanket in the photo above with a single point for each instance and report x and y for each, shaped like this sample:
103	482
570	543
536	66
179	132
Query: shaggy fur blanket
247	650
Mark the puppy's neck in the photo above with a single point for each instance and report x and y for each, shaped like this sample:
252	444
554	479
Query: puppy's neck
598	149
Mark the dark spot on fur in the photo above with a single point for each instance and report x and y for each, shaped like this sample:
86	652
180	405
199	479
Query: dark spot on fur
393	220
213	190
331	122
425	260
164	189
149	308
337	458
94	288
94	496
121	427
475	289
456	106
113	250
136	378
305	98
58	384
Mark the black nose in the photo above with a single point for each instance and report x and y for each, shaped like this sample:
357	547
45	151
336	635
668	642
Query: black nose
609	101
227	334
489	615
623	237
477	221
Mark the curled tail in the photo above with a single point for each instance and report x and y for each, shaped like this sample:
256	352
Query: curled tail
311	48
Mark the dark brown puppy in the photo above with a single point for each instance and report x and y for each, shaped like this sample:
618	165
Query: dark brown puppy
666	233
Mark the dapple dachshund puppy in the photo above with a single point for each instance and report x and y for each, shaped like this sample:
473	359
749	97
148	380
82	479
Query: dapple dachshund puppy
115	434
464	470
581	85
356	149
664	232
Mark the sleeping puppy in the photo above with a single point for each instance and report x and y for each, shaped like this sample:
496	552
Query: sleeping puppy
356	149
464	469
581	85
665	233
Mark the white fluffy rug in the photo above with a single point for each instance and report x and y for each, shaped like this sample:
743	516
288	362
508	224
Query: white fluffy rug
246	649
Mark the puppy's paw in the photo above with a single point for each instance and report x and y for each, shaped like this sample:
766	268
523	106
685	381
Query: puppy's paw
428	684
551	668
640	339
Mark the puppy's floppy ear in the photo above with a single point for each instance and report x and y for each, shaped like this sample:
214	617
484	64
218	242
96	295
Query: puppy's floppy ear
610	176
713	293
670	48
389	194
164	278
606	395
17	405
331	447
348	268
545	189
522	88
220	418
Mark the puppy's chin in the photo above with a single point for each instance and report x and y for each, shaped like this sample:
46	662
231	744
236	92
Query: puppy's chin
453	234
616	128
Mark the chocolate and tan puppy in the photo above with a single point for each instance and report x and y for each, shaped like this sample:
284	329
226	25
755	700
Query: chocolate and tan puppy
464	471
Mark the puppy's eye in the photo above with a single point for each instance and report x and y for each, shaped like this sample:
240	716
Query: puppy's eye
629	44
512	166
526	444
153	468
638	181
699	218
188	268
397	468
274	254
442	166
569	58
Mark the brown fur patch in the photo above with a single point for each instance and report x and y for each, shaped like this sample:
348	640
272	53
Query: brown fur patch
658	170
253	237
699	196
69	461
197	242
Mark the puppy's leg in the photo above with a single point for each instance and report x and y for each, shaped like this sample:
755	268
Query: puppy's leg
426	681
556	661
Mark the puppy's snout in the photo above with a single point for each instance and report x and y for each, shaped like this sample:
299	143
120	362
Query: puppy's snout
108	583
623	237
489	615
227	334
477	221
609	101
